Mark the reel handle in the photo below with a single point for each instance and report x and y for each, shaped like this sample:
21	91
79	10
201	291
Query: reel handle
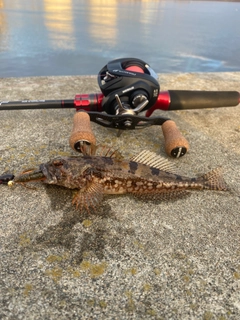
82	138
175	143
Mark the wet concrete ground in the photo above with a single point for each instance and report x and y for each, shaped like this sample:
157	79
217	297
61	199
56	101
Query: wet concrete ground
134	259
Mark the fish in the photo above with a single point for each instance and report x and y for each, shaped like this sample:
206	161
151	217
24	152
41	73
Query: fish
146	176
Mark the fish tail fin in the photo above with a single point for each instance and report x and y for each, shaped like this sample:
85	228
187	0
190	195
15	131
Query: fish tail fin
213	180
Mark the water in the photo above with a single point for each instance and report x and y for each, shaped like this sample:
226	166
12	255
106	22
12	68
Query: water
78	37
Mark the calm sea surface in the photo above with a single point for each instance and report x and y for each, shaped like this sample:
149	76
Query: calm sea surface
78	37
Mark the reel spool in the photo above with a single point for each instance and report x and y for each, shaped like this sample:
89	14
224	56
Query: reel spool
129	85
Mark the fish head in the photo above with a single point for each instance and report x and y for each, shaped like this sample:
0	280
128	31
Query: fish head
67	172
55	170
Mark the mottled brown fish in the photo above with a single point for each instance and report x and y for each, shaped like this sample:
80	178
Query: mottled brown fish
146	176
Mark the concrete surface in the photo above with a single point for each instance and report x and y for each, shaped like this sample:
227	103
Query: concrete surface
133	260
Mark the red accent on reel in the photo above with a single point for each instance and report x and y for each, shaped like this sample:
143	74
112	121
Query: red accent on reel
163	102
135	69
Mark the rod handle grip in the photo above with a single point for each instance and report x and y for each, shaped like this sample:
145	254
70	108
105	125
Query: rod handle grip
175	143
184	99
82	138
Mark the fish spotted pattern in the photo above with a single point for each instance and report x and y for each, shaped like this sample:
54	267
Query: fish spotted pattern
146	176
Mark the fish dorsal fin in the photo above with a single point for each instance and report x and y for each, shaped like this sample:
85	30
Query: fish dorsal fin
108	151
153	160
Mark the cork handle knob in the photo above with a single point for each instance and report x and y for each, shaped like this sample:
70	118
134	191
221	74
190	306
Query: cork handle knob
82	138
175	144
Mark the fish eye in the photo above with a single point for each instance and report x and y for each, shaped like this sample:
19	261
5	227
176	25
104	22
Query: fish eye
57	163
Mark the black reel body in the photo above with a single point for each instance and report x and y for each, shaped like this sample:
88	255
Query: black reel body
129	85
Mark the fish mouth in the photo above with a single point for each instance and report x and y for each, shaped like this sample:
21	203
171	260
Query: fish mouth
47	173
37	174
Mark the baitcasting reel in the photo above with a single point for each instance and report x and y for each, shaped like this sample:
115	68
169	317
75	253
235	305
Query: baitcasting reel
129	86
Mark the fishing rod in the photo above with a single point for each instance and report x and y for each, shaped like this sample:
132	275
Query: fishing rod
130	86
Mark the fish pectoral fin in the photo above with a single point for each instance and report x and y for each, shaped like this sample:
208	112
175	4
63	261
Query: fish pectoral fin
89	198
161	194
